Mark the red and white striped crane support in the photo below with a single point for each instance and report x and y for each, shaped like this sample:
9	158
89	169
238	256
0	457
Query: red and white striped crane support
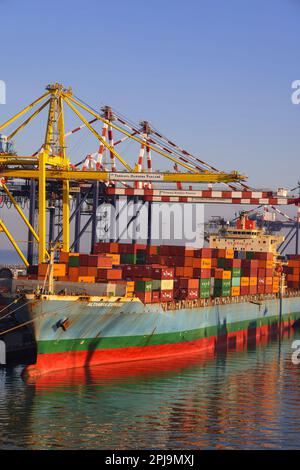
102	148
254	198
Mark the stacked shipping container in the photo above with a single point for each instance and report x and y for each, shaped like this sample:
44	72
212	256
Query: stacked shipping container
164	273
292	271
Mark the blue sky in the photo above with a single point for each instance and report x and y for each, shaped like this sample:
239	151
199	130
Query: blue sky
213	75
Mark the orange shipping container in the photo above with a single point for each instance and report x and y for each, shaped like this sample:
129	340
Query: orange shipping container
269	281
245	281
220	273
92	271
188	261
229	253
253	281
115	258
235	291
86	279
205	263
58	269
183	271
64	257
83	271
73	273
262	264
63	278
294	263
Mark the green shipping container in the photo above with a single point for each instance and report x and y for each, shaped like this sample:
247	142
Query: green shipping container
221	262
250	255
236	272
223	283
204	284
128	258
73	261
219	292
156	284
143	286
204	293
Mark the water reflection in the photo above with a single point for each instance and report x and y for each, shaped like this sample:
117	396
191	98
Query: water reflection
235	399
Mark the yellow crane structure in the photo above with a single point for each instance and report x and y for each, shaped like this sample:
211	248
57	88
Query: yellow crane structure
52	163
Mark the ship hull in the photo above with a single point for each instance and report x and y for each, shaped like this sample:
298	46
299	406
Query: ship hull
77	333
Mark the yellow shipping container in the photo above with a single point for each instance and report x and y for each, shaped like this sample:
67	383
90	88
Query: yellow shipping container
253	281
245	281
269	264
269	281
205	263
235	291
167	284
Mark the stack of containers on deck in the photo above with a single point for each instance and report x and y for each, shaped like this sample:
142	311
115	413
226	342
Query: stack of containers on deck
222	273
163	273
292	271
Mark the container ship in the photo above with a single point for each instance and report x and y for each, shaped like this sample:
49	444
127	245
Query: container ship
129	302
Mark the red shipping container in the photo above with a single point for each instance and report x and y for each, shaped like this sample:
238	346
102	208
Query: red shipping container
252	289
184	272
153	259
294	257
167	261
83	271
155	296
188	294
261	273
109	274
268	289
102	247
269	272
187	283
145	297
128	270
264	255
165	250
245	290
166	295
261	289
99	261
83	260
250	263
203	253
221	253
202	273
163	273
233	263
249	272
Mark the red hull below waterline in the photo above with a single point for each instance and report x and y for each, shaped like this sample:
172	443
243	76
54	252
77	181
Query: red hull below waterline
47	363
